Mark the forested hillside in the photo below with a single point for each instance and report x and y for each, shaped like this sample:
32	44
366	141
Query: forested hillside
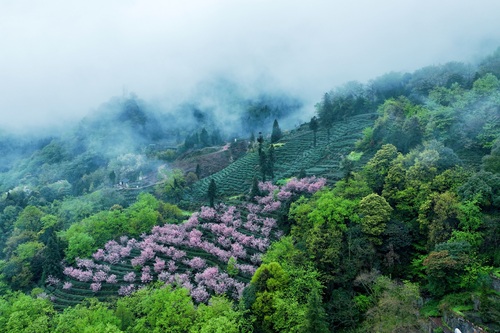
380	213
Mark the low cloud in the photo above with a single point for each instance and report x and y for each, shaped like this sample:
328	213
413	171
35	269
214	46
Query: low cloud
61	60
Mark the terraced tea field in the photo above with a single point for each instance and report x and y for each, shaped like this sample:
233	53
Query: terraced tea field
294	152
216	251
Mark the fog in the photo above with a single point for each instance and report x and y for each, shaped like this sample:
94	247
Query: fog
60	60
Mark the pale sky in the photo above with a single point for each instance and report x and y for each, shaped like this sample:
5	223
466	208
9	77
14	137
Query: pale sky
61	59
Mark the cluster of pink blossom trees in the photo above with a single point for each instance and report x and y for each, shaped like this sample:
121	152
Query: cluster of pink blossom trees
190	254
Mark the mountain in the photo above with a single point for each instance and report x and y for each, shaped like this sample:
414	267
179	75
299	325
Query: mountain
381	212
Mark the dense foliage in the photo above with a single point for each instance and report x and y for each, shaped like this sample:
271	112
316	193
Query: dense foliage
405	228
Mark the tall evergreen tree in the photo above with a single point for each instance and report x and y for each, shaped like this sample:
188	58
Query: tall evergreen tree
112	177
198	171
326	113
212	192
276	134
313	125
260	140
52	256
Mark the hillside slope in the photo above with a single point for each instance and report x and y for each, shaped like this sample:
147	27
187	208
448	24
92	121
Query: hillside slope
293	153
216	251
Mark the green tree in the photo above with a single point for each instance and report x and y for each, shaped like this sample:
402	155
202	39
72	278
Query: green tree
260	140
169	214
491	162
173	187
396	308
394	181
52	257
232	269
438	217
27	314
378	167
374	212
313	126
112	177
396	248
30	219
269	277
198	171
91	316
80	245
288	314
353	188
281	293
444	267
482	186
25	248
288	305
326	113
319	227
396	117
53	153
470	215
276	133
212	192
267	280
219	316
315	314
486	84
163	310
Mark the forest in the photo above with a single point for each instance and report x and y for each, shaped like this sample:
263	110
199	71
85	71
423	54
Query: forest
380	213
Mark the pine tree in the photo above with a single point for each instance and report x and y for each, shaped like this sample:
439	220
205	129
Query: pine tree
260	140
276	134
112	177
198	171
326	114
52	256
212	192
313	125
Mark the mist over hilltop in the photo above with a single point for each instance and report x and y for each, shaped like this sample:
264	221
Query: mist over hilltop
60	61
